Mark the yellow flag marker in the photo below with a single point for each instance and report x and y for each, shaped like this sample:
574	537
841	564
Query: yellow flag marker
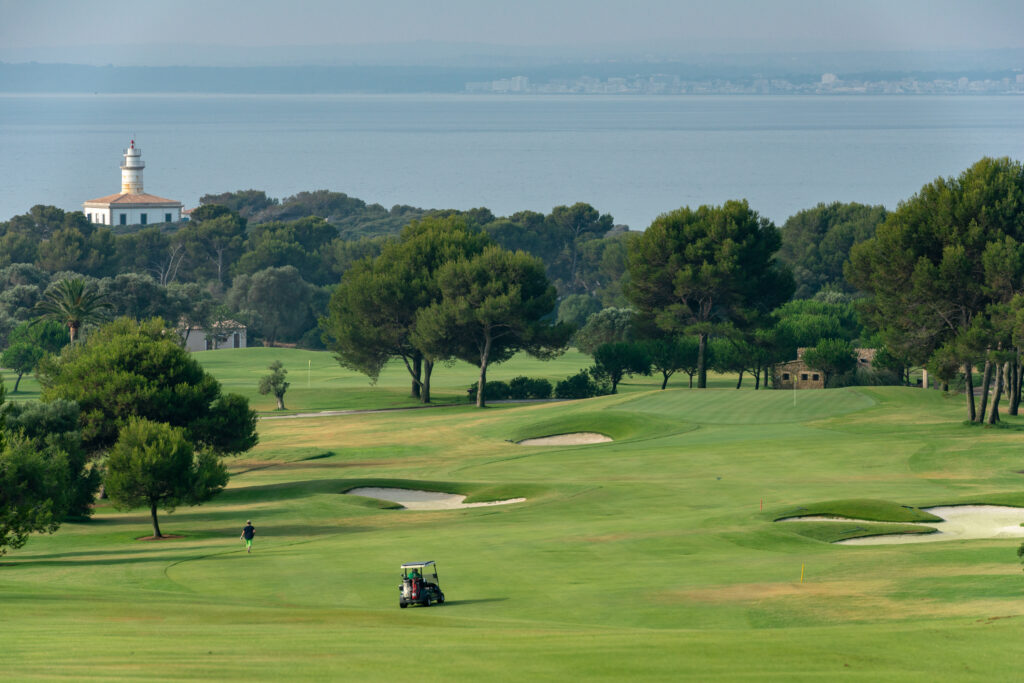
801	573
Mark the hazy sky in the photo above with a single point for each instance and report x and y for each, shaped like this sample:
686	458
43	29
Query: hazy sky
661	25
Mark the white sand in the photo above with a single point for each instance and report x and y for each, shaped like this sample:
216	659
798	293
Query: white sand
576	439
412	499
959	522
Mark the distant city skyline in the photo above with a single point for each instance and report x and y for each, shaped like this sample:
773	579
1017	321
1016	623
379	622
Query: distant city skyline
269	32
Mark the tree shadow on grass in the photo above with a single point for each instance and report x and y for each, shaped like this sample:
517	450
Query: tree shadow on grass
146	551
456	603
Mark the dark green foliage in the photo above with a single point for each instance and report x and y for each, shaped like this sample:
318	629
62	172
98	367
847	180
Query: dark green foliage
580	385
29	343
214	238
491	305
372	312
614	361
21	357
47	335
526	387
693	271
73	302
33	490
275	302
816	243
575	309
495	390
246	203
833	357
137	296
298	243
943	264
153	464
19	301
605	327
669	355
352	218
228	427
126	369
52	428
805	322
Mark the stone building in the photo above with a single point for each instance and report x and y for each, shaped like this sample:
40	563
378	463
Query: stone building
796	374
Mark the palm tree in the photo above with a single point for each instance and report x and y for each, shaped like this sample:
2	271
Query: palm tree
74	304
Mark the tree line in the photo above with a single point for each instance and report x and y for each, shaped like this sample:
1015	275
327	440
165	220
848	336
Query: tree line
939	283
718	276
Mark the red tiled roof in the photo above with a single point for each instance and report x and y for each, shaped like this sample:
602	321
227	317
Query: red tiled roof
125	198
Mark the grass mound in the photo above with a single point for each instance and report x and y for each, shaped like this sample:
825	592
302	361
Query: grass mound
861	508
830	532
616	424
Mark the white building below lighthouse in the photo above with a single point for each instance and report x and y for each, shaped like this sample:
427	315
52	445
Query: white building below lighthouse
132	206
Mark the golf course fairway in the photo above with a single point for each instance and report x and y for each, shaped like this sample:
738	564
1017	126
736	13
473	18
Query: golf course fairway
654	556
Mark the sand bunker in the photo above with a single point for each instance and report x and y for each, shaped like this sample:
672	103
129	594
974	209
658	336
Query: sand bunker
958	522
411	499
575	439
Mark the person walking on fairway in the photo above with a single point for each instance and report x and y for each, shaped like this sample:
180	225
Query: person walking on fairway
248	531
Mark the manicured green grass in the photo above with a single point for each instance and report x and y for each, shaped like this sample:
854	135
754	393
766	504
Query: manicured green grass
318	382
652	557
873	510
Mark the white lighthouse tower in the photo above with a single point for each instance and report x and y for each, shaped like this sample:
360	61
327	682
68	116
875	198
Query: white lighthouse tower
131	170
132	206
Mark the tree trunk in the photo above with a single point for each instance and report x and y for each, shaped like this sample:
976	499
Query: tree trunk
18	381
969	380
993	414
417	372
702	371
986	382
739	382
73	332
757	380
481	383
156	526
280	401
428	368
664	382
1013	387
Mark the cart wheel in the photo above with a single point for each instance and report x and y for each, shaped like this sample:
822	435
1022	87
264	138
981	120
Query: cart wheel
426	602
402	605
440	599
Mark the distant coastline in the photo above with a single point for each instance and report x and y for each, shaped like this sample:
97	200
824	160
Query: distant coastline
658	79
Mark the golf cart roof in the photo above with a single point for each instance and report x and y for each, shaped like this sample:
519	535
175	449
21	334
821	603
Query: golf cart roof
417	565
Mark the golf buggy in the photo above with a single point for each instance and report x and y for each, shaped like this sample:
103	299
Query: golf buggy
419	585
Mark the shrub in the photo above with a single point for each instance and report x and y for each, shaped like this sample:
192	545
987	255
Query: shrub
580	385
524	387
494	390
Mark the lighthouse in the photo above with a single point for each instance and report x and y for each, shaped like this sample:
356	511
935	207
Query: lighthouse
132	206
131	170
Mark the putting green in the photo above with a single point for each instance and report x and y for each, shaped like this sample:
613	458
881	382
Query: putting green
652	557
724	406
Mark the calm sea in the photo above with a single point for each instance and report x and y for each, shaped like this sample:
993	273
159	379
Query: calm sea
633	157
